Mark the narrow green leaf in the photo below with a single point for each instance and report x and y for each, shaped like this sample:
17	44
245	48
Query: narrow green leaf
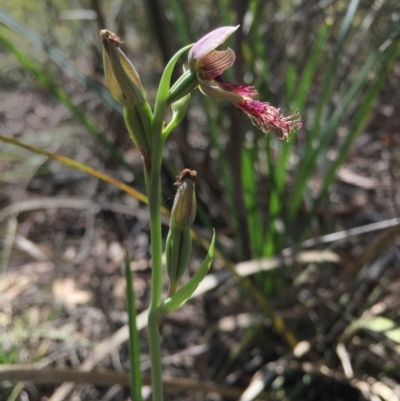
180	21
359	122
328	131
290	82
330	76
309	157
163	93
254	217
310	68
184	293
299	99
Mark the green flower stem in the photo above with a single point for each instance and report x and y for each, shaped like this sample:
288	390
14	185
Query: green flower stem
153	183
134	349
154	193
155	357
155	227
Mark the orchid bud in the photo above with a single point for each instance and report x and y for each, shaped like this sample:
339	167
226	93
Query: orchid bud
179	109
125	87
122	79
184	209
179	240
184	85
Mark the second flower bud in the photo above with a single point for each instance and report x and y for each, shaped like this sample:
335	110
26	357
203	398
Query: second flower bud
179	241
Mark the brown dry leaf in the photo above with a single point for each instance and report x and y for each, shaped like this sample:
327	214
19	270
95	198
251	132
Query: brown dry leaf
66	291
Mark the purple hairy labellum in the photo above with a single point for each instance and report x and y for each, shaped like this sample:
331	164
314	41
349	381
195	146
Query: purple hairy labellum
209	65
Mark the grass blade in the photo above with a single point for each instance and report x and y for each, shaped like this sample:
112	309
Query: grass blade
250	195
329	130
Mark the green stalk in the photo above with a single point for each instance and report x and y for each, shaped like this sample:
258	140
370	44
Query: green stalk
155	357
153	183
154	193
134	349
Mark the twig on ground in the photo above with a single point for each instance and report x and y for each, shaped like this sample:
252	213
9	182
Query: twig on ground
109	378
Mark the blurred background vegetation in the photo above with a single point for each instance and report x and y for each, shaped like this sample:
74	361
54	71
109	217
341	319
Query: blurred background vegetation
63	232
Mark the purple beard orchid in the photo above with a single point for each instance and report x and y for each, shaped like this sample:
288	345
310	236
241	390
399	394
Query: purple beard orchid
209	64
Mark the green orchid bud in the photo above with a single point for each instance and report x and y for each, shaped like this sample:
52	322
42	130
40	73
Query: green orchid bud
137	122
184	209
122	79
125	87
178	249
184	85
179	109
179	240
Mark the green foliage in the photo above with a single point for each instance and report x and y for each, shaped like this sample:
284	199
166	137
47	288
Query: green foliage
320	82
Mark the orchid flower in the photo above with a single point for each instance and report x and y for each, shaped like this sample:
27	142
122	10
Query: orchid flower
209	64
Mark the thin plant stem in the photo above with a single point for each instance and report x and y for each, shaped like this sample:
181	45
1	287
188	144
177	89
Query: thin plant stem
134	349
154	194
155	356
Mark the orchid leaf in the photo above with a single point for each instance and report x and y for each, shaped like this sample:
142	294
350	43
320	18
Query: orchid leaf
184	293
163	92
